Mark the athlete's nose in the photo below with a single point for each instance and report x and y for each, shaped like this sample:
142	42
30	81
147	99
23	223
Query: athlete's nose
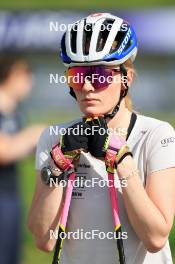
87	86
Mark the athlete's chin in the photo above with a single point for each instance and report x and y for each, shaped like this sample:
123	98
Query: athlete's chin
92	111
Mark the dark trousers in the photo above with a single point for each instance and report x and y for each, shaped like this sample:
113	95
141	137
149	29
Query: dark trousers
10	226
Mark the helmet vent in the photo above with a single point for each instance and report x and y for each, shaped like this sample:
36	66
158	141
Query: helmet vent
87	34
119	38
73	38
103	35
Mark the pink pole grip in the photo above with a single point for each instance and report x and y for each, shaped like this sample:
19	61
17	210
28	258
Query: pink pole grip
67	201
116	142
60	160
113	198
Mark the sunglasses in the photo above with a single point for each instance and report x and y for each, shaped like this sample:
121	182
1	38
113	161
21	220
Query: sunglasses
99	76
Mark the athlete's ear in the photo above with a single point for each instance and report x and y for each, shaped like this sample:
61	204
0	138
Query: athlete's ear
130	76
127	79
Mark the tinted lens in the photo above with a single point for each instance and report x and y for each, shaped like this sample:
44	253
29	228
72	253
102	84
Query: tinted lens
100	76
76	76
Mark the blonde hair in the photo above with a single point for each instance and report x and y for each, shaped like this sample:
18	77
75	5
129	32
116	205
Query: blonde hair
128	102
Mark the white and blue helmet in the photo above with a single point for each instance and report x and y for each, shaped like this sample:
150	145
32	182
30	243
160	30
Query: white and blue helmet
100	38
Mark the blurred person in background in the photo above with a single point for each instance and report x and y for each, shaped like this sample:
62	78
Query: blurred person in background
15	143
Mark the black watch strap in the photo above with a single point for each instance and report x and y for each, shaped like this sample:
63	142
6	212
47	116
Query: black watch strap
48	178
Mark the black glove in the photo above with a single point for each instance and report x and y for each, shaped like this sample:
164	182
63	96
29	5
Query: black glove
75	138
97	141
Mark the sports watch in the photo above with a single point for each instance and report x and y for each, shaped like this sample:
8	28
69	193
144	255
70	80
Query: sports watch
47	173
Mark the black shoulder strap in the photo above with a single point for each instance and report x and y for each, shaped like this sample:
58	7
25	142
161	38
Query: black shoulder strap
131	124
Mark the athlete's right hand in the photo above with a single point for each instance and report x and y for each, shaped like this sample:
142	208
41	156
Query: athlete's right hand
75	138
70	146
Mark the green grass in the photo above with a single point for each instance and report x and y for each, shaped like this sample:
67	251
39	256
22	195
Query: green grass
30	254
91	4
172	239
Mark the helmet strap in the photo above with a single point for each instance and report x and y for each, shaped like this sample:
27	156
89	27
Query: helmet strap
122	94
71	92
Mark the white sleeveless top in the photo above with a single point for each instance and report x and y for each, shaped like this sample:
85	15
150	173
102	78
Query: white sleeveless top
152	143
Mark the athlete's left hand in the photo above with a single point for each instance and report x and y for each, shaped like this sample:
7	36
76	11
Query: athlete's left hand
98	140
102	139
